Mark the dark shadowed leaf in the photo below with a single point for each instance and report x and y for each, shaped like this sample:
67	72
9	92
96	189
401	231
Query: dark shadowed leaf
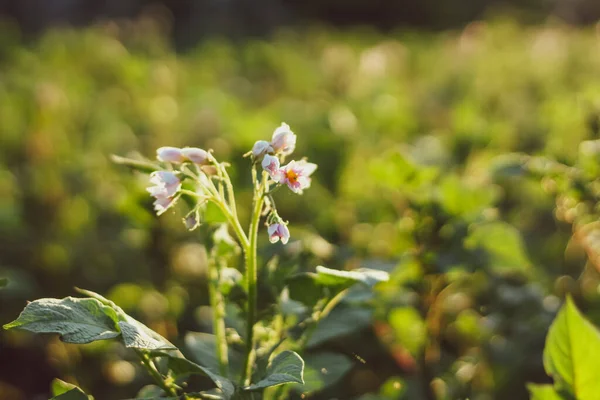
322	370
343	320
182	367
286	367
203	350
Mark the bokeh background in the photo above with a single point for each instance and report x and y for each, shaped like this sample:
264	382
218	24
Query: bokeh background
405	105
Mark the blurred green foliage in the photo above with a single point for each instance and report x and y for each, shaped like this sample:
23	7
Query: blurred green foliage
406	130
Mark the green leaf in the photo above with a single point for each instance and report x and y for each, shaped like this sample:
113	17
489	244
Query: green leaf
138	336
343	320
409	328
333	277
183	367
72	394
309	288
502	244
3	282
286	367
322	370
543	392
203	350
59	387
75	320
572	353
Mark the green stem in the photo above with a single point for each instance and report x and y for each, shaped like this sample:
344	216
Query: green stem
217	303
251	278
234	222
153	371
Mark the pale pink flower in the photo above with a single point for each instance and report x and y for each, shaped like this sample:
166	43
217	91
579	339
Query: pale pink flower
166	185
271	165
261	148
278	231
283	140
195	155
297	175
170	154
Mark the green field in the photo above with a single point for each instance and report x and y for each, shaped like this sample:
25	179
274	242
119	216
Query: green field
414	135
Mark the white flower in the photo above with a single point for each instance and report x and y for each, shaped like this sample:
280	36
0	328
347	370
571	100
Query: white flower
284	140
166	185
271	165
297	175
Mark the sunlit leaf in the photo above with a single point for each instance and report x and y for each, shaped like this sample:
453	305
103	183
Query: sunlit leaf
572	353
75	320
543	392
138	336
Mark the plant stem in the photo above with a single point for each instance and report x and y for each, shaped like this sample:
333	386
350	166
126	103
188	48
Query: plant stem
153	371
234	222
251	277
217	303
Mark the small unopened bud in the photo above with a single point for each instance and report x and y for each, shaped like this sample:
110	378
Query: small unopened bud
278	231
192	220
195	155
170	154
261	148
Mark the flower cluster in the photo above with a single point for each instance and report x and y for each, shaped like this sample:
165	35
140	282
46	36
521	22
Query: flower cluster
296	174
189	167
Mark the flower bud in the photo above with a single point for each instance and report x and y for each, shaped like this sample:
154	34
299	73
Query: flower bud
283	140
195	155
261	148
169	154
278	231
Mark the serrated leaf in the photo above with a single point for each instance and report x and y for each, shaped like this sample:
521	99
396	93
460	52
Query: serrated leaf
543	392
138	336
286	367
182	367
73	394
75	320
572	352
